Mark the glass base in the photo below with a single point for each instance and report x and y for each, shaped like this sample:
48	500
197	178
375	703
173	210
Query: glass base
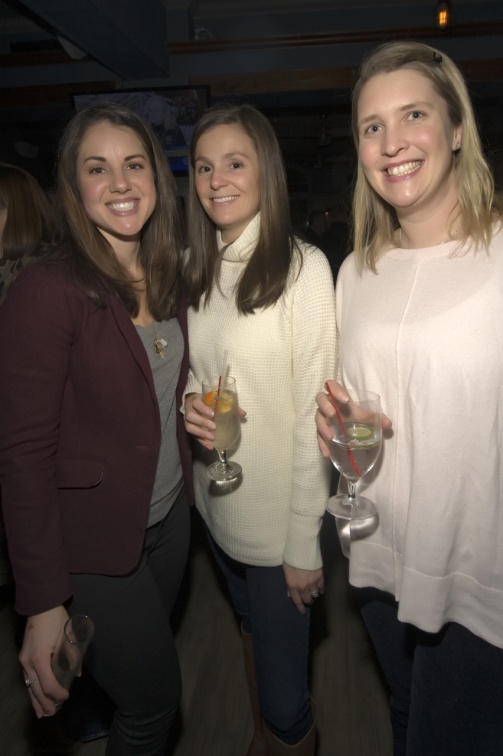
222	473
344	508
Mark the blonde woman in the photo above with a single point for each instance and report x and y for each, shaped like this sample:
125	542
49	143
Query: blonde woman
420	319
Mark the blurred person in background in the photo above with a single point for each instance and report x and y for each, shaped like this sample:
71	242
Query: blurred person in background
27	222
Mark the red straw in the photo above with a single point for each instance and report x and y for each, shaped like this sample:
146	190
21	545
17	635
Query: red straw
218	391
339	418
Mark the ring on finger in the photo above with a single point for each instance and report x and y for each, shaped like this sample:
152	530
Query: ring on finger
30	680
314	594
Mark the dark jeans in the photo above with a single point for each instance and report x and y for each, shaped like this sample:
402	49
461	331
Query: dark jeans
280	643
132	656
446	687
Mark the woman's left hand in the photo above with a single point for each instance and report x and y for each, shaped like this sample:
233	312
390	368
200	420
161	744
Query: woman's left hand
40	638
303	585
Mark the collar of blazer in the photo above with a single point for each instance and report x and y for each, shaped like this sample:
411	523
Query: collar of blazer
127	329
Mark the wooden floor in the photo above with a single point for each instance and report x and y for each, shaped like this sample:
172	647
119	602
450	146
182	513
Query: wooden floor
351	700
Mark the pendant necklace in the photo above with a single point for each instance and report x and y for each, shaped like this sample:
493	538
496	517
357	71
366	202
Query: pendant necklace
159	344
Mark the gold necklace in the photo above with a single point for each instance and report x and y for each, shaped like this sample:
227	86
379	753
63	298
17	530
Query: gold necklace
160	344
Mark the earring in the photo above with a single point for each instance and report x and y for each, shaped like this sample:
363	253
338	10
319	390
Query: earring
458	146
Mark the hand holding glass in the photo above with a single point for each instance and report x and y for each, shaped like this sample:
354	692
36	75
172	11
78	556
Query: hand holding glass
354	449
67	658
221	396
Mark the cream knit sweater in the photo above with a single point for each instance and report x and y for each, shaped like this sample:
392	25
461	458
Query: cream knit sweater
280	357
426	333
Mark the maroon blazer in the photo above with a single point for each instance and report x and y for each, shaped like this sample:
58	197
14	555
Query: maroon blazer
79	435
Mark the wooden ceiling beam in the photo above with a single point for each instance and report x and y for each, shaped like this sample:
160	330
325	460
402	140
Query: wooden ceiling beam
194	47
53	94
319	79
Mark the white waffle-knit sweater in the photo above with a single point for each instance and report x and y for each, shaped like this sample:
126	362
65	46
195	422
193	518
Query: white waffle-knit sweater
426	333
280	357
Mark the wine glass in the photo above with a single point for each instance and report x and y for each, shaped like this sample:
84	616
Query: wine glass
66	660
221	395
354	450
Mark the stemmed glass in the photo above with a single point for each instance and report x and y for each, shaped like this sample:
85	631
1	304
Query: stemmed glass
66	660
221	395
354	450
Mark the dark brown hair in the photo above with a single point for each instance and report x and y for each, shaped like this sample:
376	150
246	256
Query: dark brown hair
265	276
161	240
30	223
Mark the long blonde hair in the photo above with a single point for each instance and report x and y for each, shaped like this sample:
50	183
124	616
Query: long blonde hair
374	219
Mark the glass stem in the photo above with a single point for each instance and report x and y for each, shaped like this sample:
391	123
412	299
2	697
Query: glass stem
352	493
222	456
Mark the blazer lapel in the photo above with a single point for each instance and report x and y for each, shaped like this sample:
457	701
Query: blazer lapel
132	339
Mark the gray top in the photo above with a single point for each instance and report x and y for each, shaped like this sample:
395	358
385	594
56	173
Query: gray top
165	370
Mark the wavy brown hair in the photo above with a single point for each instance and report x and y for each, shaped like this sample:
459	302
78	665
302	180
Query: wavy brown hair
375	221
30	223
265	276
161	243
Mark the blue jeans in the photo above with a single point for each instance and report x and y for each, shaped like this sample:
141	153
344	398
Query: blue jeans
132	656
280	643
446	687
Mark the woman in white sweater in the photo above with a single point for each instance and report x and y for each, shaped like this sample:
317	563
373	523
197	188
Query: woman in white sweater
420	319
266	300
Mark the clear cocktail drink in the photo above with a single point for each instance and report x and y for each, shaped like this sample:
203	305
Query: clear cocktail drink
221	396
355	451
226	418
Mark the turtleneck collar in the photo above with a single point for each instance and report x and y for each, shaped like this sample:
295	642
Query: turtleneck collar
241	249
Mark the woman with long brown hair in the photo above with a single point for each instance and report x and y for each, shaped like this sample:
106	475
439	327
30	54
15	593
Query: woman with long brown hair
93	456
265	300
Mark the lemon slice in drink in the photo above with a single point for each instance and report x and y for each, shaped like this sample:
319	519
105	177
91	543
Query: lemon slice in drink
360	433
225	402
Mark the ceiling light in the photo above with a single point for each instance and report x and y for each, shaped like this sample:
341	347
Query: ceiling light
444	14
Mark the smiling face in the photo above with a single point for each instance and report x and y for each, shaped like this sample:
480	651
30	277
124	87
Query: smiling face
227	178
116	183
406	144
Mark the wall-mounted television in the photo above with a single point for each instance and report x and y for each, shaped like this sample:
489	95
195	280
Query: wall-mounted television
172	112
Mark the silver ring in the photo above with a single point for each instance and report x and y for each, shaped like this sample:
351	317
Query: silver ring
314	594
30	680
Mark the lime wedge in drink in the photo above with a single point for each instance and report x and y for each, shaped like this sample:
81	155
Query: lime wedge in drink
360	433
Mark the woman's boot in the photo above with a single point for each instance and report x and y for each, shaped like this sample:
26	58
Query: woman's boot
276	747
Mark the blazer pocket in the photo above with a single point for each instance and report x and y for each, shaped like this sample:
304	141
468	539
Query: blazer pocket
79	473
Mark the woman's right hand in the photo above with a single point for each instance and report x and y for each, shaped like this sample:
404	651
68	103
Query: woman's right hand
40	639
326	414
199	420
